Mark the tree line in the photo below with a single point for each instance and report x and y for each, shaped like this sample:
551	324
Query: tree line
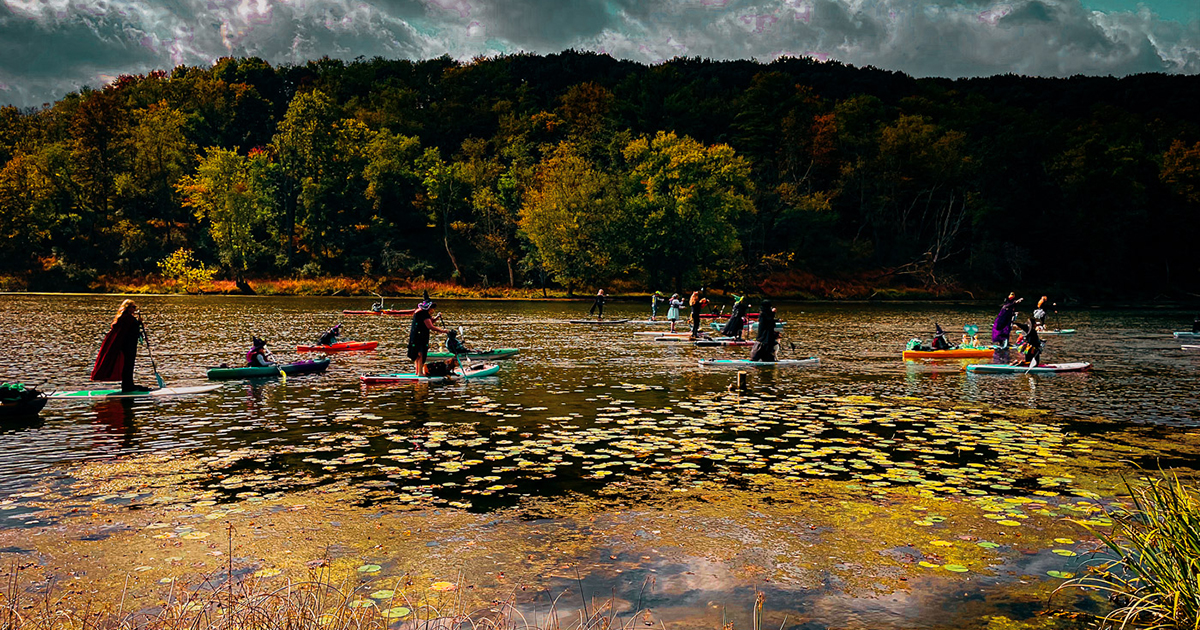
581	170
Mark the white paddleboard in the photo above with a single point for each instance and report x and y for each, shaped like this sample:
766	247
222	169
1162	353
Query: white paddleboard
153	393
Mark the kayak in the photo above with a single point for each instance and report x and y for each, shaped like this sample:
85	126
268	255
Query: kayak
27	405
153	393
390	311
1048	368
741	362
1187	335
478	371
708	343
599	321
956	353
498	353
340	347
291	369
1065	331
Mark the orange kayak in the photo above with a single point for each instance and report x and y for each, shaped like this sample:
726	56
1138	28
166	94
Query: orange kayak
957	353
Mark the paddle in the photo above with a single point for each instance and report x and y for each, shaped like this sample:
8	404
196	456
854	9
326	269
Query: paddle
158	379
456	359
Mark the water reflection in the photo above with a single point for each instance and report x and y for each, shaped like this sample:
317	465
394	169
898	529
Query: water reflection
568	383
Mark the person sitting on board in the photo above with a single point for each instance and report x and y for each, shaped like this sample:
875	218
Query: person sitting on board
330	337
1030	345
117	353
1039	314
655	299
598	303
768	338
1002	326
737	318
418	336
258	355
939	338
673	312
456	345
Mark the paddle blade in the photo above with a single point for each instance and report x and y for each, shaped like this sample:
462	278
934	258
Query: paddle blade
159	379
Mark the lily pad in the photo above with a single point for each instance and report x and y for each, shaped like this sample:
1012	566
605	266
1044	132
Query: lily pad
1063	575
266	573
384	594
1064	552
395	613
957	568
369	568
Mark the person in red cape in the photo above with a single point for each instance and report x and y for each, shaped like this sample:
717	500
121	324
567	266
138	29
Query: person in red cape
117	353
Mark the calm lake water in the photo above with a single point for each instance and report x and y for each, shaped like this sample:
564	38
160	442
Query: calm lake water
563	412
594	410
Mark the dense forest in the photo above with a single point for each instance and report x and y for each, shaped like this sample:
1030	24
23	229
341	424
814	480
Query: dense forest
580	171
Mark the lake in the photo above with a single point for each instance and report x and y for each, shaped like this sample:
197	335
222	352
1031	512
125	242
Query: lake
612	437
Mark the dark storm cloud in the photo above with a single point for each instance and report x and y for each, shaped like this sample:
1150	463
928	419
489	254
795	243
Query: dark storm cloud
48	47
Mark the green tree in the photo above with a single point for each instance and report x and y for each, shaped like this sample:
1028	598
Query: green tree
161	155
233	194
568	215
683	198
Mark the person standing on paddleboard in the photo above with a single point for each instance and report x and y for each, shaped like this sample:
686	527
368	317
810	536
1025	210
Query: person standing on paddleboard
1039	314
673	312
117	353
655	298
764	344
737	318
598	303
1031	345
418	336
694	307
1002	326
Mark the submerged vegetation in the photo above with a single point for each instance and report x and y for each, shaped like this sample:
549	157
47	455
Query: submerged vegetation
576	169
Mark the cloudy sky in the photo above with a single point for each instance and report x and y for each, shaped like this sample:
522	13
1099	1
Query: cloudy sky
50	47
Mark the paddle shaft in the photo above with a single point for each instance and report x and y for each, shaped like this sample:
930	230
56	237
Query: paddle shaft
157	378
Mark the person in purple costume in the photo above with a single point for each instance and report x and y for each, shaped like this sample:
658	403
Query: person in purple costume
1002	326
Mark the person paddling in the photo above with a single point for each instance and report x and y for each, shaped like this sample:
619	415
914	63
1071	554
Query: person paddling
939	338
737	318
329	337
117	353
598	303
1002	326
418	336
1039	314
1031	345
655	299
259	356
765	342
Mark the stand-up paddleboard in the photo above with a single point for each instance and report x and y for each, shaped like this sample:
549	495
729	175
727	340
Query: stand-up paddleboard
291	369
725	315
955	353
662	333
649	322
1049	368
490	355
344	346
1064	331
599	321
479	371
153	393
745	362
710	343
1187	347
390	311
1187	335
751	325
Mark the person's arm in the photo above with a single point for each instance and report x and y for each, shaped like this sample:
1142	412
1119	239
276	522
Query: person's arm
431	326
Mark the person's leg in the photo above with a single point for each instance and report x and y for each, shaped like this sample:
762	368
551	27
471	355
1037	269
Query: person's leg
127	372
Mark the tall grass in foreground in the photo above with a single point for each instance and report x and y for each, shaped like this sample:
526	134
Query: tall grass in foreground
1155	575
319	604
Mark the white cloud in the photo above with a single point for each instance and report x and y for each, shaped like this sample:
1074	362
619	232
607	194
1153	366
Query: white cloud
48	47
